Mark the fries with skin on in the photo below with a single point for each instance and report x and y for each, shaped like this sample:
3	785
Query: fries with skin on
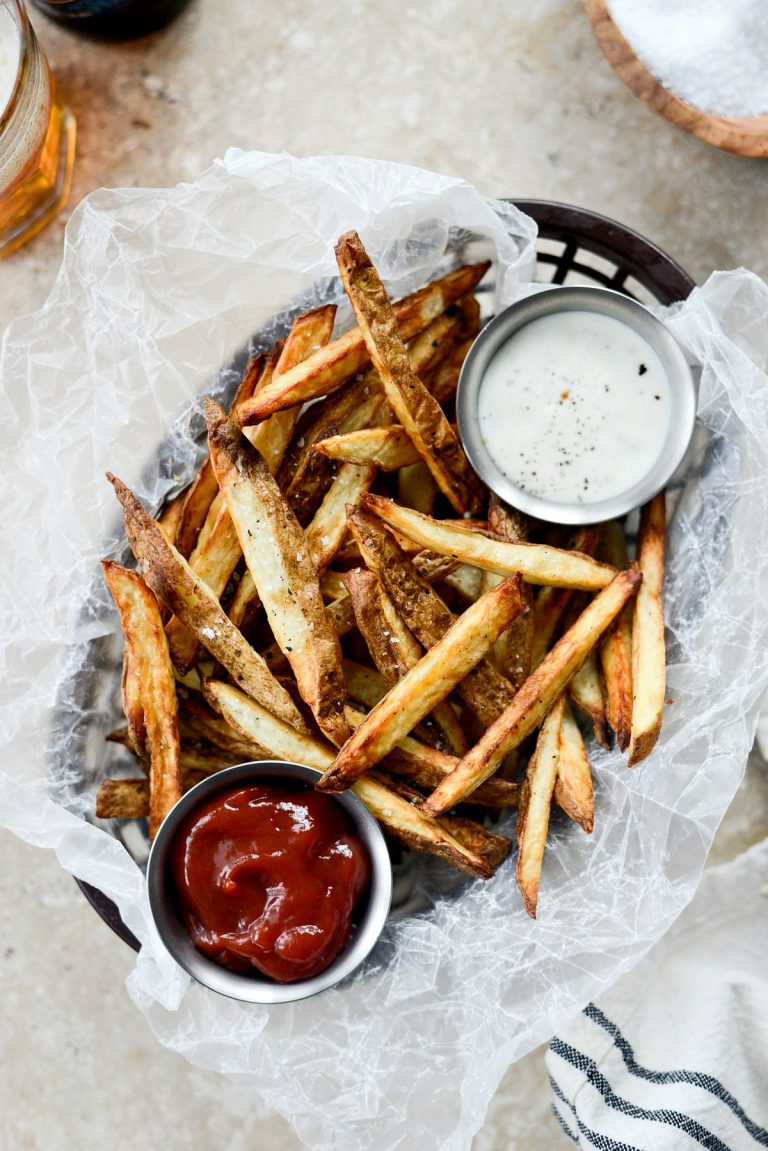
405	647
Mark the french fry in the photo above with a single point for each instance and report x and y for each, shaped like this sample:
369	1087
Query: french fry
255	724
329	526
310	332
573	787
198	722
204	488
483	689
537	695
513	651
418	412
365	685
277	555
488	845
144	635
123	799
330	367
616	648
170	516
553	602
648	655
389	448
537	563
416	488
173	581
393	647
409	825
431	680
535	804
586	691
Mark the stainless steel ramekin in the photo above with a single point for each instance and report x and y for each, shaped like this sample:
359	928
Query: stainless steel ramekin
584	299
256	988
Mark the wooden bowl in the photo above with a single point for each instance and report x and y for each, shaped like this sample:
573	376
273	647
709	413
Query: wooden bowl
746	136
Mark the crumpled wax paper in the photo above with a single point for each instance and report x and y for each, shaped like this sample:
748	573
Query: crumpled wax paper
159	292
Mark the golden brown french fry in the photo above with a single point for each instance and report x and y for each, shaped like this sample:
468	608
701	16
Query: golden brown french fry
537	563
468	582
431	680
393	646
648	654
535	805
173	581
198	722
573	788
255	724
329	524
514	650
310	332
488	845
330	367
483	689
537	695
586	691
123	799
143	629
204	488
365	685
213	560
170	516
277	555
418	412
616	648
389	448
407	824
416	488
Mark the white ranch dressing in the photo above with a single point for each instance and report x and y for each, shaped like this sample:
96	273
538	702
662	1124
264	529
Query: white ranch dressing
575	407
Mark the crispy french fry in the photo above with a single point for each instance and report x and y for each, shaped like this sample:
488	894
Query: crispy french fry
648	655
393	646
416	488
553	602
418	412
365	685
407	824
198	722
468	582
311	331
616	647
330	367
170	516
483	689
144	635
514	650
389	448
586	691
573	788
537	695
535	804
488	845
123	799
173	581
277	555
431	680
255	724
204	488
329	524
537	563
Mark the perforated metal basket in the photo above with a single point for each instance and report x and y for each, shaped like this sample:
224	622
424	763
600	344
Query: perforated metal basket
575	246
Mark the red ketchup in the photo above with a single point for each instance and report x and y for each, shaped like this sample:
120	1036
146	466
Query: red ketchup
267	877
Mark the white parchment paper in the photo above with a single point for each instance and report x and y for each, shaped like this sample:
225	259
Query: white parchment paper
159	290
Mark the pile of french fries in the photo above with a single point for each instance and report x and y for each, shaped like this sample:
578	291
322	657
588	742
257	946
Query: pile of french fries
337	588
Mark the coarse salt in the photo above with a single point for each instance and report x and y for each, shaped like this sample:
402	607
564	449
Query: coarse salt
712	54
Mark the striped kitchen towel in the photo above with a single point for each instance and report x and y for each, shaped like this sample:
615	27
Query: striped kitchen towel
675	1056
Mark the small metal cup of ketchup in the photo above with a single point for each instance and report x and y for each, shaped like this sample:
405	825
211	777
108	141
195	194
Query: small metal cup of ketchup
263	888
576	404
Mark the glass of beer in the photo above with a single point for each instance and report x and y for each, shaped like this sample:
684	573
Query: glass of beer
37	133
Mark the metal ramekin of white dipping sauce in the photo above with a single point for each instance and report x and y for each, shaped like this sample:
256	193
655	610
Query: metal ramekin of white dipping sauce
576	405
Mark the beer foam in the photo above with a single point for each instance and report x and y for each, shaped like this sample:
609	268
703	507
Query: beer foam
10	53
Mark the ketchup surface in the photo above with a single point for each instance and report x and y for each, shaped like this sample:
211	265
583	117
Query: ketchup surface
267	877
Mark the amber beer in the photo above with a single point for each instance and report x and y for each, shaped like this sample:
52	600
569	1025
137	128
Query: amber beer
37	133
